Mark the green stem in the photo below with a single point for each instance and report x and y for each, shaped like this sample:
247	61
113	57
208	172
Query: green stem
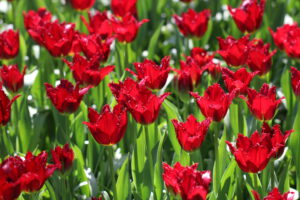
241	117
149	152
256	187
112	171
272	171
216	145
7	143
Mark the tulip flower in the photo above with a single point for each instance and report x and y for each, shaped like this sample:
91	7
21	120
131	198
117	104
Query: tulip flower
9	44
82	4
295	80
5	104
155	75
192	23
187	181
186	1
234	52
138	99
88	72
281	36
11	77
214	69
248	16
191	133
200	56
65	97
275	195
108	127
63	157
263	104
122	8
215	102
33	19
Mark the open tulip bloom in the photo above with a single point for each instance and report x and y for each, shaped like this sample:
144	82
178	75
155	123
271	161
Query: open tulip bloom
275	195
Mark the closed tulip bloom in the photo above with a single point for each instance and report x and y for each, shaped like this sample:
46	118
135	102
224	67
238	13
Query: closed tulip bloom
248	16
155	75
275	195
11	77
191	133
263	104
82	4
88	72
138	99
5	104
187	182
233	51
200	56
192	23
259	57
282	34
295	80
65	97
63	157
239	80
215	102
108	127
122	8
9	44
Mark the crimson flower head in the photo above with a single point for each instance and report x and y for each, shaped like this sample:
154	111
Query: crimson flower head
295	79
201	56
108	127
186	1
191	133
259	57
5	105
192	23
233	51
263	104
126	28
155	75
96	198
214	69
65	97
122	8
215	102
11	77
189	183
9	44
88	72
248	16
82	4
281	36
275	195
63	157
239	80
138	99
33	19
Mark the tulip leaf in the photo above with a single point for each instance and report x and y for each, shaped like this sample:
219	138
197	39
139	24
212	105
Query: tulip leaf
153	42
123	182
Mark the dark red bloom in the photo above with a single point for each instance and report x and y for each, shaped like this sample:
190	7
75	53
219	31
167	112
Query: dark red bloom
295	79
263	104
108	127
141	103
234	52
88	72
82	4
192	23
65	97
95	198
201	56
63	157
9	44
191	133
11	77
239	80
155	75
259	58
282	34
275	195
5	107
214	69
186	1
248	16
215	102
126	28
122	8
33	19
189	183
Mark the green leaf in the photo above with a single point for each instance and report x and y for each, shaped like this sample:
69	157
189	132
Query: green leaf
158	182
153	42
123	182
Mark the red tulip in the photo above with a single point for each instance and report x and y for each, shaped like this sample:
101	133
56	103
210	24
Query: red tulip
275	195
214	69
192	23
126	28
248	16
65	97
122	8
9	44
63	157
239	80
95	198
141	103
189	183
108	127
234	52
33	19
88	72
215	102
82	4
263	104
295	79
259	58
11	77
200	56
5	105
155	75
281	36
191	133
186	1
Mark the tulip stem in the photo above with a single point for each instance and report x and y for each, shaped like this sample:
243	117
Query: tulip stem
217	162
149	152
272	173
112	171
